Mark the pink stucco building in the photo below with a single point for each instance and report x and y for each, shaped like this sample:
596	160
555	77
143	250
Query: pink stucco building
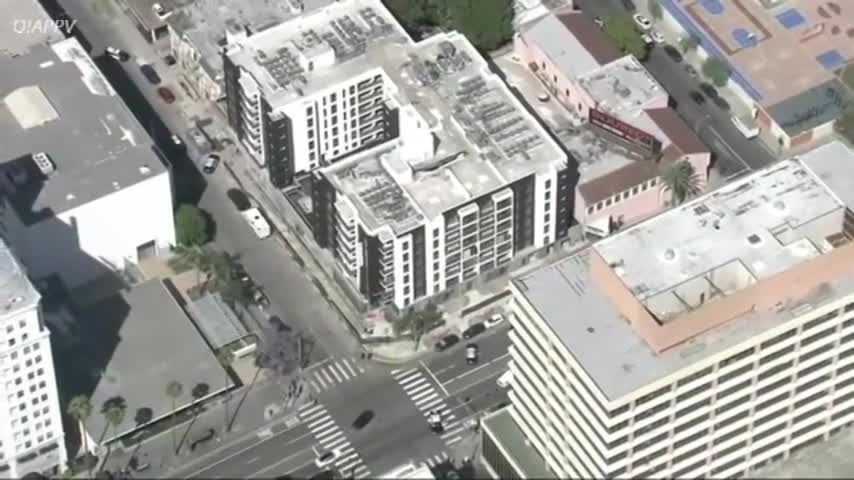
628	133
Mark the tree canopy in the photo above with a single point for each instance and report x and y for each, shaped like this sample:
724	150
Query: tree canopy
681	181
488	25
192	226
417	322
688	43
716	70
621	29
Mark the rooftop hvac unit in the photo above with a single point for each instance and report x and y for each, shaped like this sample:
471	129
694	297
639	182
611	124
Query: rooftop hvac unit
44	163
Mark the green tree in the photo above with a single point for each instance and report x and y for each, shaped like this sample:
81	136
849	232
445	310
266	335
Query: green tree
716	70
194	257
689	43
488	25
845	124
192	226
80	409
417	322
680	180
655	9
621	29
174	389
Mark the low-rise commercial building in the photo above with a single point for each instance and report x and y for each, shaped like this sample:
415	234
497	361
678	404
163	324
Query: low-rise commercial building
85	189
704	342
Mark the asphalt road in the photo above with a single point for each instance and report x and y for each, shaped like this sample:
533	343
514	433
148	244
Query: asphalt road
398	432
291	294
733	152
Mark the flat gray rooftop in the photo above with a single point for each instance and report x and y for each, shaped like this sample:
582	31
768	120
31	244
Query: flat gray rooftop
156	344
513	441
616	358
59	103
28	27
833	163
748	230
485	137
16	291
622	85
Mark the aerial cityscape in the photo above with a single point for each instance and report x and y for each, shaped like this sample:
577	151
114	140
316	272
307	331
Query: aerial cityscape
426	239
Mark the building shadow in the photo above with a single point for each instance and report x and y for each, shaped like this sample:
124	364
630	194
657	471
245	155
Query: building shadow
189	182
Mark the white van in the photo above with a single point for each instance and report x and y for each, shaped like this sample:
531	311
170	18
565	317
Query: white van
257	221
505	379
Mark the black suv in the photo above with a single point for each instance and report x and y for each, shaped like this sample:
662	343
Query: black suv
474	330
447	341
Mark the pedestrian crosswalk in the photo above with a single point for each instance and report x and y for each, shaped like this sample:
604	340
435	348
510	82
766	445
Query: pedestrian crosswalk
437	459
329	436
331	373
423	393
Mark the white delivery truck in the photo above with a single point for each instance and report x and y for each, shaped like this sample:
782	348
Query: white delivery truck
257	222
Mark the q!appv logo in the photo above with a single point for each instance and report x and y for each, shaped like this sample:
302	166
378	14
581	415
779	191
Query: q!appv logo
35	26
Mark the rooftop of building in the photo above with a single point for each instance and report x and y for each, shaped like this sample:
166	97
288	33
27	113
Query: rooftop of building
59	103
134	321
722	243
144	11
485	139
205	23
16	291
573	42
623	85
30	26
518	450
781	51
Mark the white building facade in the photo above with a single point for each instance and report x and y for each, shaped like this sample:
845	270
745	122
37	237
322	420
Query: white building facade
31	434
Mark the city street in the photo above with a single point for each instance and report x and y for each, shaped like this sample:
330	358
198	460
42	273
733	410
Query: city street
734	153
291	294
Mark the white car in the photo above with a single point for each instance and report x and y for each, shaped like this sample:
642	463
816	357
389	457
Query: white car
657	36
116	53
326	458
642	22
258	223
211	162
505	379
493	320
647	40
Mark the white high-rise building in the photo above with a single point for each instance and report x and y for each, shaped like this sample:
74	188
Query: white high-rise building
705	342
31	435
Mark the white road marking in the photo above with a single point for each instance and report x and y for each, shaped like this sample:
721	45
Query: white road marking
314	386
342	370
331	371
425	397
253	460
429	406
412	380
326	376
434	378
349	367
414	391
319	379
452	441
321	424
400	374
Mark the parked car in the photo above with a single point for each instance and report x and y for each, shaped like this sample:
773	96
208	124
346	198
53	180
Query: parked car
211	162
657	37
363	419
642	22
447	341
697	97
166	94
474	330
326	458
169	60
239	273
260	298
176	140
471	353
691	71
709	90
647	40
117	54
505	379
259	224
493	320
673	53
150	74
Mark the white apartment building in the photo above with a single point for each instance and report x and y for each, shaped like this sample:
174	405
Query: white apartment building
467	181
309	91
31	435
86	191
705	342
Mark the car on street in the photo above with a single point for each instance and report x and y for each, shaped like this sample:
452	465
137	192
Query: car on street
259	224
176	140
642	22
505	379
697	97
493	320
474	330
166	94
691	71
629	5
363	419
673	53
117	54
211	162
471	353
434	419
599	22
647	40
260	298
150	74
657	37
446	342
238	272
326	458
709	90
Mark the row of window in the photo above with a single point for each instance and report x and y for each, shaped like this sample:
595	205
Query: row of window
622	196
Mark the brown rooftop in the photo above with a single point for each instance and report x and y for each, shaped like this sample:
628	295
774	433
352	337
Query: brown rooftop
677	130
590	37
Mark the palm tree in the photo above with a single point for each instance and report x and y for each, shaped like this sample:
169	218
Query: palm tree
114	411
226	358
174	389
80	409
680	180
